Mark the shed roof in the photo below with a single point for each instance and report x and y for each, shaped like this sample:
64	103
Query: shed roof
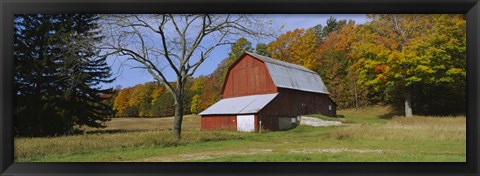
240	105
287	75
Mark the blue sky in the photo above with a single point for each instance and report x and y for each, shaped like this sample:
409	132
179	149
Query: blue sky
128	77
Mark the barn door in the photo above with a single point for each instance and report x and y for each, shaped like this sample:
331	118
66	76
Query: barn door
245	123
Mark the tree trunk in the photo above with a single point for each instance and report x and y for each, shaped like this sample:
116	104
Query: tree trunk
177	121
408	102
356	96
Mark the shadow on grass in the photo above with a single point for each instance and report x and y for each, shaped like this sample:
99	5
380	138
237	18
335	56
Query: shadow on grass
389	115
112	131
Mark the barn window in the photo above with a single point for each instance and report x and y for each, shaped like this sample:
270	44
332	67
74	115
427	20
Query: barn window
329	107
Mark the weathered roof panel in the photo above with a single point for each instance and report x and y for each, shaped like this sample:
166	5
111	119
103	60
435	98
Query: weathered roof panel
287	75
278	62
240	105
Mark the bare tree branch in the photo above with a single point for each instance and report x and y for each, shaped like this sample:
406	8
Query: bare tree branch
186	42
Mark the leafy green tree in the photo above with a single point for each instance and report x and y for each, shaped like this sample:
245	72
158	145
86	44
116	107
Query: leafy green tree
58	74
322	32
262	49
332	26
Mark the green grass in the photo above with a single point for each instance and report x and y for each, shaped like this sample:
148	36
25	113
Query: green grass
370	135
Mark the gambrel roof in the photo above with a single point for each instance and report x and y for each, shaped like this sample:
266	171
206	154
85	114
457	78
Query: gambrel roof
291	76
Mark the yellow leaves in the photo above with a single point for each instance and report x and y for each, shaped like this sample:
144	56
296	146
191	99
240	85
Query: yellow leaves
413	79
198	84
157	91
456	71
416	48
425	69
298	47
196	102
121	101
395	56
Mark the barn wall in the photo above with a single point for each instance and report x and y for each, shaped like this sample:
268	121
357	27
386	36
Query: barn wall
249	76
256	122
214	122
292	103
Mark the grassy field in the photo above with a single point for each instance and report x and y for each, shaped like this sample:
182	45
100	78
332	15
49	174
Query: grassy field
368	135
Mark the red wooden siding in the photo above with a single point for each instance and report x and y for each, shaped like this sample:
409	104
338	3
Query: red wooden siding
248	76
288	103
268	122
214	122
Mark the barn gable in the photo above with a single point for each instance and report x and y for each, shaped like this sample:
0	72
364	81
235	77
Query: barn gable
283	75
248	76
291	76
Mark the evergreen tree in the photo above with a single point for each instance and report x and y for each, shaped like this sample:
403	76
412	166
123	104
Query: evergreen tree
58	74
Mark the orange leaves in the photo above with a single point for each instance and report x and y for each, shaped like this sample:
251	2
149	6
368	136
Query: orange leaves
380	68
121	101
381	77
298	47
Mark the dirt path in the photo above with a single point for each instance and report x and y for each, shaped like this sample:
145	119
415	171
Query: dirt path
220	154
204	155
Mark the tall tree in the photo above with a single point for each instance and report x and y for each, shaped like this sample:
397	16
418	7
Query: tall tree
58	74
398	53
180	43
197	89
196	102
121	102
332	25
336	67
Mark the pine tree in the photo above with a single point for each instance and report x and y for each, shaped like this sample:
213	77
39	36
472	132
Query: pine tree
58	74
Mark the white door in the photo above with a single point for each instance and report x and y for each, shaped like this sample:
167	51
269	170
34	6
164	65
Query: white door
245	123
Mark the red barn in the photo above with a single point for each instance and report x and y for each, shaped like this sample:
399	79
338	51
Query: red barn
260	91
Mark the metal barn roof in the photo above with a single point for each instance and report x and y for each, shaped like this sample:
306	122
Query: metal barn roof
287	75
240	105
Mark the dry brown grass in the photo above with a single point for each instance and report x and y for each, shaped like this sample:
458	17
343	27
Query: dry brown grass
120	133
415	128
371	111
190	122
27	148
